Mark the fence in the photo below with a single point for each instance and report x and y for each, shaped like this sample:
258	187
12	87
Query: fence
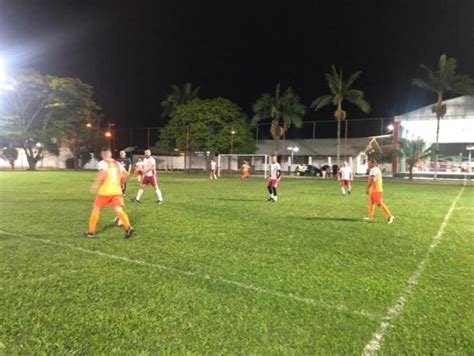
148	136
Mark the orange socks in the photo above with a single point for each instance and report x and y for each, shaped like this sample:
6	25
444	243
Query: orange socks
371	211
93	220
385	210
124	219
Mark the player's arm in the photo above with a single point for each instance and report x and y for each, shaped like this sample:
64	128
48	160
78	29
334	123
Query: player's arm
99	179
129	167
124	175
369	185
279	174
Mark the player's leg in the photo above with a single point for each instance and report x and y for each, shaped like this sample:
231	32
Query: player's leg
123	217
275	194
93	220
385	211
349	187
270	191
343	190
371	209
124	187
140	191
158	193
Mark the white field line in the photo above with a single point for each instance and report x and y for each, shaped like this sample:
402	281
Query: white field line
373	346
251	287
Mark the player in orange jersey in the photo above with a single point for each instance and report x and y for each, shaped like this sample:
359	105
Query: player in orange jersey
375	192
108	187
245	170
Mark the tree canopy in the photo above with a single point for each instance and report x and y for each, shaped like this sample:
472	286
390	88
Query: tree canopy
178	96
40	110
208	125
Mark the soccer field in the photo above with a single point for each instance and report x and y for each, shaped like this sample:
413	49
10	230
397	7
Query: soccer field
217	269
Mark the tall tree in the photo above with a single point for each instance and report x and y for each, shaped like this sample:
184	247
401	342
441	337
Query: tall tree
178	96
444	80
26	111
207	125
340	91
284	110
9	154
74	109
413	151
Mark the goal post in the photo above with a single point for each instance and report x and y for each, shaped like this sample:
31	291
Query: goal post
229	164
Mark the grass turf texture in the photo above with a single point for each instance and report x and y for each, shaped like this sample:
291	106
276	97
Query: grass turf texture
305	275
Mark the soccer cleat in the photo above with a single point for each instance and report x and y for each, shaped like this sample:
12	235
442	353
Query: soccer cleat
135	200
369	219
160	202
391	219
89	234
349	192
270	199
128	233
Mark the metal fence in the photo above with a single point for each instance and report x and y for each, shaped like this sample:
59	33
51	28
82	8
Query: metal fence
148	136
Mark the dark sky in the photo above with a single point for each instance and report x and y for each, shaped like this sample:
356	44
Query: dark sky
132	51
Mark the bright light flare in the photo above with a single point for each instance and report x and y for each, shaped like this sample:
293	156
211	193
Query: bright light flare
390	127
108	134
3	73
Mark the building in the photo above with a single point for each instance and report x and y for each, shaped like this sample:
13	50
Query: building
456	133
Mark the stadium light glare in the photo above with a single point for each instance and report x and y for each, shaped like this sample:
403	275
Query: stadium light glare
3	74
108	134
390	127
89	125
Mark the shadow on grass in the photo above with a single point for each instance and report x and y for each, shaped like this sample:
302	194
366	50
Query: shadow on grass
238	200
320	218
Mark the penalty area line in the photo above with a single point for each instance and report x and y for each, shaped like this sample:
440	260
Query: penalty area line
374	345
240	285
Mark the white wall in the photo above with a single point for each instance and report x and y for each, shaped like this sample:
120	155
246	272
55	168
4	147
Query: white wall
450	131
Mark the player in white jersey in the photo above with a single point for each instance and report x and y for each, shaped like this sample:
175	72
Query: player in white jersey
345	176
149	177
274	179
213	170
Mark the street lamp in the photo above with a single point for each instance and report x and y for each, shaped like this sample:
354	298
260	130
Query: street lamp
470	148
390	128
232	133
293	149
89	125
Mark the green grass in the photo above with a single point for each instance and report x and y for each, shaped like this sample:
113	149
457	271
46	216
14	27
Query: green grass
218	270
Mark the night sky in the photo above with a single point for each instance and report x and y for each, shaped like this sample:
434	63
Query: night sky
132	51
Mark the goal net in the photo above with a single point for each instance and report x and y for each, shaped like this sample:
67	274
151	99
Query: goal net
231	164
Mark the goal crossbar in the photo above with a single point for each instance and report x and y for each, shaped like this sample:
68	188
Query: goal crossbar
234	158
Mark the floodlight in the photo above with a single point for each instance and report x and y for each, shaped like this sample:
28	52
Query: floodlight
108	134
3	74
390	127
296	149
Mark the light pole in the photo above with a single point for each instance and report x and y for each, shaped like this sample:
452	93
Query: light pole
293	149
110	135
470	148
232	133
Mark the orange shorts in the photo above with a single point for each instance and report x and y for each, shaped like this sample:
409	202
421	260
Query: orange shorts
376	197
245	174
116	201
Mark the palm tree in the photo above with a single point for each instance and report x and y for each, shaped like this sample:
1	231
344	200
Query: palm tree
339	91
413	151
285	110
178	96
443	81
